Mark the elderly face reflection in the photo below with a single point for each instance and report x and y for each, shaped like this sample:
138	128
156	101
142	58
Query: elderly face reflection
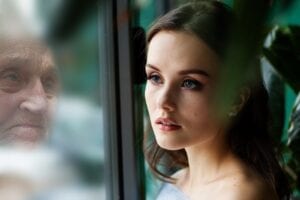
28	91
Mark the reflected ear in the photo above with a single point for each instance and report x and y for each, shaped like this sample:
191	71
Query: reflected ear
240	102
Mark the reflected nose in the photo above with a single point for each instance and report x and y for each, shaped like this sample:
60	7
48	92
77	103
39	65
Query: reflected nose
167	99
35	98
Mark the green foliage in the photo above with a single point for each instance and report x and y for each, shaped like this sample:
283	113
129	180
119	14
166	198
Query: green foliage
245	44
284	55
283	52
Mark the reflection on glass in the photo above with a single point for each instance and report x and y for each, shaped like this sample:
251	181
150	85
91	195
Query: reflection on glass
28	91
51	142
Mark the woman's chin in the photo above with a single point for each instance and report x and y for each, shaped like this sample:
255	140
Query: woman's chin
168	145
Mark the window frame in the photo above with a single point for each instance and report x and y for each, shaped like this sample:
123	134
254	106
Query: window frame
121	178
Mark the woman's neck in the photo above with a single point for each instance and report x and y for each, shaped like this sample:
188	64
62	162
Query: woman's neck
208	162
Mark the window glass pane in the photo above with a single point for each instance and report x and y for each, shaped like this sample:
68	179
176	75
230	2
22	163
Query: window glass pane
38	75
145	13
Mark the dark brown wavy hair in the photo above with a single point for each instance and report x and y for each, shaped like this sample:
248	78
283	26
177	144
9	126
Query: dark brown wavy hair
248	134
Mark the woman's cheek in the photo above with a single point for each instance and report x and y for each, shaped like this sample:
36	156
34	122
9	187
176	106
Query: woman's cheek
148	96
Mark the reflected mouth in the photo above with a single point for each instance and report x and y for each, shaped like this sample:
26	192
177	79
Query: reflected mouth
33	126
25	133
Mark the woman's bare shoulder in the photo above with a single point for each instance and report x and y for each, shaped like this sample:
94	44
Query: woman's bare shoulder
249	186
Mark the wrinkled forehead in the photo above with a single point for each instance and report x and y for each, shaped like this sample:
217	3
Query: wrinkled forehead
20	51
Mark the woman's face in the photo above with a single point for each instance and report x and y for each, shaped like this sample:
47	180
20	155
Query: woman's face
182	72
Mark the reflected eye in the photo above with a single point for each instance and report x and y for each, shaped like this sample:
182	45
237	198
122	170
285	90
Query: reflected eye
155	79
51	86
11	76
11	81
191	84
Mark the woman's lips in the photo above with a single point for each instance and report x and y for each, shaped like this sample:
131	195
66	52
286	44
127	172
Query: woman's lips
167	124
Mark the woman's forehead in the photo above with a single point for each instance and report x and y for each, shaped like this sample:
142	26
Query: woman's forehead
181	48
180	40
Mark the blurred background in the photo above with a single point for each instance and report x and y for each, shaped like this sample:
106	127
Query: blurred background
94	150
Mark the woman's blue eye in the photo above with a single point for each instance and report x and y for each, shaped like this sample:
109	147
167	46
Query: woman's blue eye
191	84
154	79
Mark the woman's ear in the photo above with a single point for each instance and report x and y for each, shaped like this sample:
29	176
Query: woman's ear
240	102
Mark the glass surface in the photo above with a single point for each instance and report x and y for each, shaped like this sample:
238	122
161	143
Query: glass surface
68	162
145	13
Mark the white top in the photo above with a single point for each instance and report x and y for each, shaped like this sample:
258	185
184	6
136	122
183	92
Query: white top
169	191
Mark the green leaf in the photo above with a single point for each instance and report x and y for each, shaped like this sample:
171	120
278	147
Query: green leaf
284	55
294	129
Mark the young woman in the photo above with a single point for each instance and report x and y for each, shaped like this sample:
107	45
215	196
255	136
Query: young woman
214	157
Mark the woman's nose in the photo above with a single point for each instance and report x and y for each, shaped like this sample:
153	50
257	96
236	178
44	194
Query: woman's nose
34	98
166	99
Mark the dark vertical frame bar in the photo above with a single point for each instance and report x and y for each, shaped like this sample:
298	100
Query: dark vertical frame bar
110	88
121	173
129	160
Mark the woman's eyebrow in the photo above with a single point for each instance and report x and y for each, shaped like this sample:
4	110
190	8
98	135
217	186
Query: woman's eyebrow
152	67
184	72
194	71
